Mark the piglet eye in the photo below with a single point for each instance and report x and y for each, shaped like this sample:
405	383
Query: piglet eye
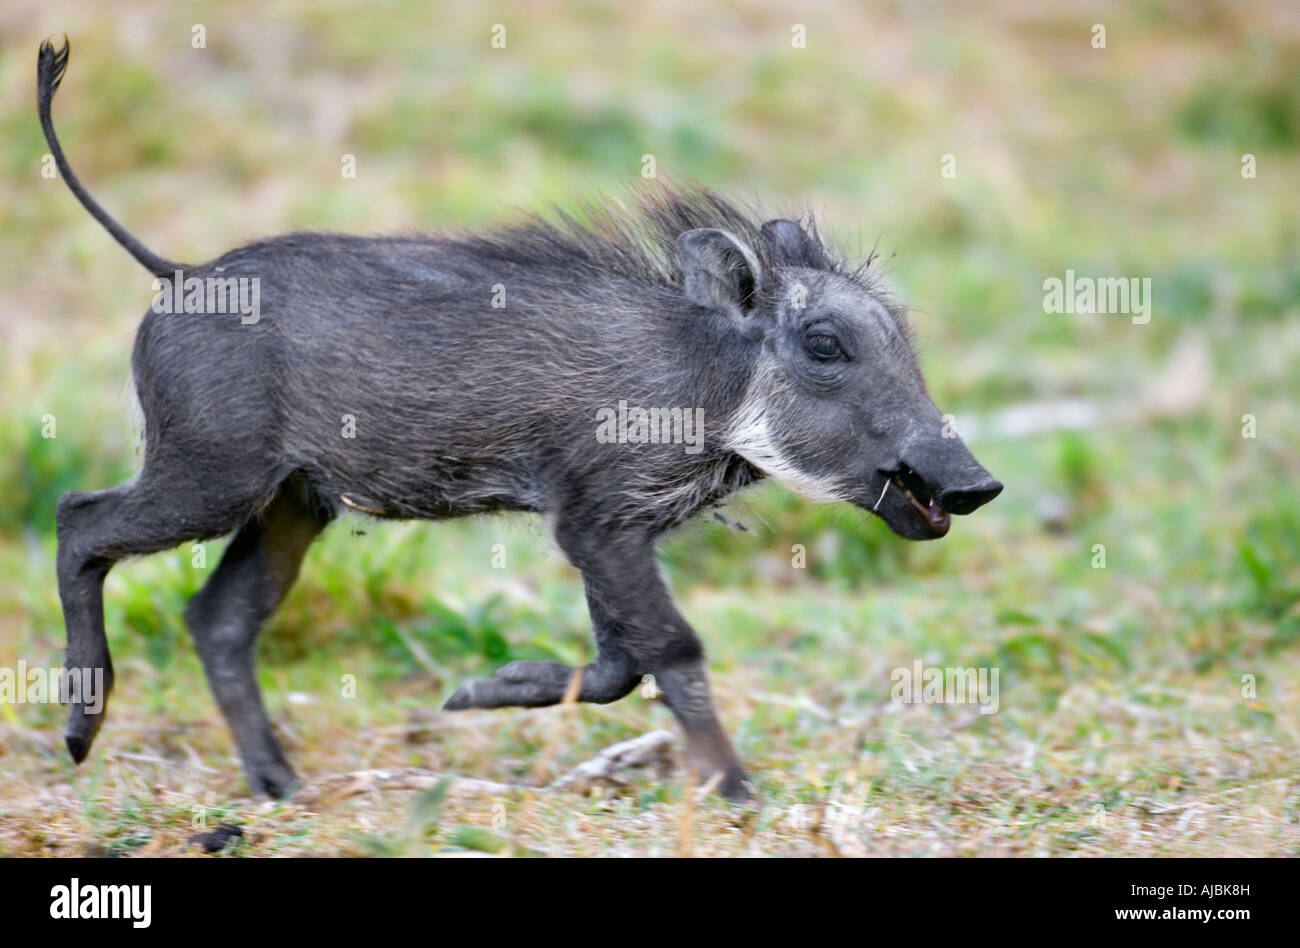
822	346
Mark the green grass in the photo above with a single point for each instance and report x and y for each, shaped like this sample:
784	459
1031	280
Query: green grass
1125	723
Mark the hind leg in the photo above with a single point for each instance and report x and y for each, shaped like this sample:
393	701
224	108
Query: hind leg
256	571
95	530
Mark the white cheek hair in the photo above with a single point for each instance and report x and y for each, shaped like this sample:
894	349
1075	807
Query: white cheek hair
750	436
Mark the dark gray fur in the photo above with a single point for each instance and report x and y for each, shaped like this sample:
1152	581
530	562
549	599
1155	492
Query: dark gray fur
460	408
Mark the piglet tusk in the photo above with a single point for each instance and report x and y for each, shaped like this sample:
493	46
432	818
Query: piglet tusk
356	506
883	490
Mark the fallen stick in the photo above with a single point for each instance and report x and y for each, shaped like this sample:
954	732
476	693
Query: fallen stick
339	786
647	750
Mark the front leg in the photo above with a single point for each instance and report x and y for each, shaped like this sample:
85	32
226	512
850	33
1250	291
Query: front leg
539	684
634	615
527	684
638	632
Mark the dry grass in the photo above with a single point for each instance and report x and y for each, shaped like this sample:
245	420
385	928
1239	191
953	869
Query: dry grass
1176	767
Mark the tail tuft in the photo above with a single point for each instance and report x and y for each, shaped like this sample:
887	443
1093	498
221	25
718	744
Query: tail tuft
51	64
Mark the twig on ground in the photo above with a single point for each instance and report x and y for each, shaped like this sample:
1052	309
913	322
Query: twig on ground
648	750
605	769
339	786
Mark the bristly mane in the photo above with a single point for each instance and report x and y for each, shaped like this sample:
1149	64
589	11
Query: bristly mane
639	241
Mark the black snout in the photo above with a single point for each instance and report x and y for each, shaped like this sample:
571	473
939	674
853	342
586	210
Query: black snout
962	500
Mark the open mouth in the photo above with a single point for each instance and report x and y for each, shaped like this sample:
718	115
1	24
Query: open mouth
913	487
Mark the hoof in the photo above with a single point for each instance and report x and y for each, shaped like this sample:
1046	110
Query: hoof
279	783
463	699
79	733
736	787
78	747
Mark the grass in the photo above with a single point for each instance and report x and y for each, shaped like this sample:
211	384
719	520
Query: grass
1149	707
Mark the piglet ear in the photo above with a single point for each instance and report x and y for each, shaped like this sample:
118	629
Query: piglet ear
718	270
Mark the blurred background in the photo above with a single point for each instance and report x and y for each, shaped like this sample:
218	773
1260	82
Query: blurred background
1147	707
